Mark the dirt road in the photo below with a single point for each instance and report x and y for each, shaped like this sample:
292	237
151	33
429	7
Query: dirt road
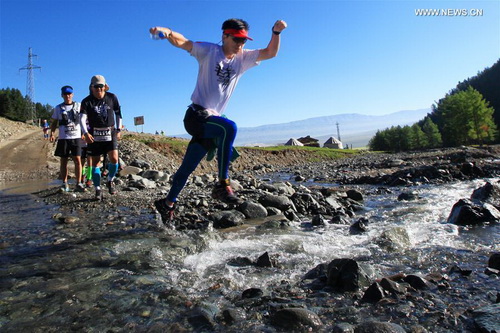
26	156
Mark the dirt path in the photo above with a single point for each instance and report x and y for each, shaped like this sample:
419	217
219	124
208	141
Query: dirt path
26	156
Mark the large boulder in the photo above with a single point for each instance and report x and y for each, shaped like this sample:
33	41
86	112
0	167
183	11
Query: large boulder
227	219
347	275
468	212
489	193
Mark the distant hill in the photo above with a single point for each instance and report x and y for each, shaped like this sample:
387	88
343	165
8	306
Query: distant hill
355	129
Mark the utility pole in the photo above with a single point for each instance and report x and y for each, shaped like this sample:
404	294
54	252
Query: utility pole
30	86
338	132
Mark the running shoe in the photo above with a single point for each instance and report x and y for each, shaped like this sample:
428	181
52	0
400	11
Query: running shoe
225	194
88	183
166	212
98	194
80	188
111	187
64	188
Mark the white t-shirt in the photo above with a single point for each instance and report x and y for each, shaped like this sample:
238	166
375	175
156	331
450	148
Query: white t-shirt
218	76
68	117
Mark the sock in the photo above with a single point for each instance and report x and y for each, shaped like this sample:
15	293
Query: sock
89	172
96	176
112	169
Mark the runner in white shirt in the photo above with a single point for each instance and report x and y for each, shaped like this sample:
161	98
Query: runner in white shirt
67	115
220	68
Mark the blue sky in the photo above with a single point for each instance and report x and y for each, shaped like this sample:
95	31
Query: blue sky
368	57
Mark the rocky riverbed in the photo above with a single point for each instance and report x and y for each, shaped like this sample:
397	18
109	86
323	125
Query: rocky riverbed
113	265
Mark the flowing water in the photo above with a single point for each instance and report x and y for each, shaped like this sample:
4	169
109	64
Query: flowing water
103	283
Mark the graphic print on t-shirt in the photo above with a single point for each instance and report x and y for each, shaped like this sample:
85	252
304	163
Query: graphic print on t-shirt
224	74
102	111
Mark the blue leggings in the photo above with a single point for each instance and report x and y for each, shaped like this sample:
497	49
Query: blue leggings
221	129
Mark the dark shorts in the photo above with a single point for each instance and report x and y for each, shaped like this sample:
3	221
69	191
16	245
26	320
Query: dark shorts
195	119
68	147
98	148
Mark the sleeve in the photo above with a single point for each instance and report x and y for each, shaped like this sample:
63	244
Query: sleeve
250	59
200	50
55	113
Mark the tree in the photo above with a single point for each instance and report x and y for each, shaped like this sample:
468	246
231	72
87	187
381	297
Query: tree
418	139
467	118
432	134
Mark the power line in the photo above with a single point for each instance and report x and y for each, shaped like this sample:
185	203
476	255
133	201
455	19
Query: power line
30	86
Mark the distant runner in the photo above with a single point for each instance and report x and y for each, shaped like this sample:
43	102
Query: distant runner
220	68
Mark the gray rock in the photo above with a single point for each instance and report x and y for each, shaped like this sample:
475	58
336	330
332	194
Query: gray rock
354	195
347	275
489	193
468	212
227	218
252	210
394	239
281	202
378	327
486	318
296	319
152	174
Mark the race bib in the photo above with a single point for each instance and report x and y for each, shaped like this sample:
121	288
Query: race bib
102	134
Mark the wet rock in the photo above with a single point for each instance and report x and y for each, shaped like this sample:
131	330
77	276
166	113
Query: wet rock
296	319
347	275
468	212
203	317
343	328
252	293
240	262
354	195
265	261
359	226
392	286
374	293
417	282
408	196
282	224
340	219
378	327
486	319
394	239
233	315
489	193
318	220
227	219
494	261
252	210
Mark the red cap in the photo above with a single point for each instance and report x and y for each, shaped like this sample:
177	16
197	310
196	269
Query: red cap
240	33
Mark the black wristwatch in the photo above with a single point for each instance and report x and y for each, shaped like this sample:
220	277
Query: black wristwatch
275	32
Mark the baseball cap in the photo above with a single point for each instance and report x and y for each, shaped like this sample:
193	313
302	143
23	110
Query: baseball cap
99	79
67	90
240	33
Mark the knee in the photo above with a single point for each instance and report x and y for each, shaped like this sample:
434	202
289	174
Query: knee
231	127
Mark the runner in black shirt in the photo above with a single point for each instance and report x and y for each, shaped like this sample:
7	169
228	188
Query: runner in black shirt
102	110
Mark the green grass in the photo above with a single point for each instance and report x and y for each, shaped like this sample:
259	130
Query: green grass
177	145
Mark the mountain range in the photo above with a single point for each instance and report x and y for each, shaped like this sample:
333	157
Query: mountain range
355	129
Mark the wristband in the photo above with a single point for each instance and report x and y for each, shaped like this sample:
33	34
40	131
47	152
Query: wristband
276	32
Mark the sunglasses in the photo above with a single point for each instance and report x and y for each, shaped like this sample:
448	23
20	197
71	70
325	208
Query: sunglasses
98	86
239	40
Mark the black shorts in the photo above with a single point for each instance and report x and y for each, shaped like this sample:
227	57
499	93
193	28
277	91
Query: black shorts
68	147
98	148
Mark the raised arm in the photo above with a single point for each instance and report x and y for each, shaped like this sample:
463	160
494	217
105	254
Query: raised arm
175	38
274	45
